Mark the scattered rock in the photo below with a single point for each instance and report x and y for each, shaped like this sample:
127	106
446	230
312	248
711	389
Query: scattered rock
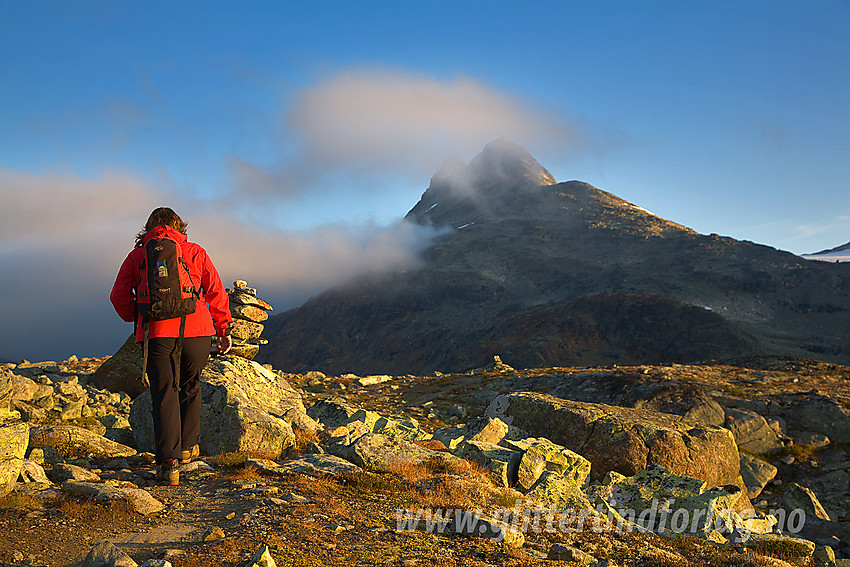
213	534
63	471
141	500
475	525
261	558
800	497
756	474
561	552
105	554
752	432
33	472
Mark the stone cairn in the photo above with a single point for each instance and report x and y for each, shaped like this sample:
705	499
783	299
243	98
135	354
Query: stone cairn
249	312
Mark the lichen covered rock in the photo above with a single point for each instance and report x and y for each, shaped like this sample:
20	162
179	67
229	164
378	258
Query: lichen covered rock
13	448
73	442
244	408
627	440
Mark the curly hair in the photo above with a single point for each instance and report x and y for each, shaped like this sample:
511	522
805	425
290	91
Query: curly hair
162	216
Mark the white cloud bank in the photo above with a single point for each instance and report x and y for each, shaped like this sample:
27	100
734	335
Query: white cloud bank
64	237
378	121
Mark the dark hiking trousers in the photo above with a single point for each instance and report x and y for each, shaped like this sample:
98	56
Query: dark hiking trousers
176	414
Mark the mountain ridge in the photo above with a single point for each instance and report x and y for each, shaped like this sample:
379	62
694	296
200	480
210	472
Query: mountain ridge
563	274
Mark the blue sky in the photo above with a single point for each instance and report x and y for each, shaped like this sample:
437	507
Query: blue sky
294	136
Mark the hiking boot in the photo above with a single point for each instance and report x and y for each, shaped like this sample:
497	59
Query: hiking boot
167	473
190	454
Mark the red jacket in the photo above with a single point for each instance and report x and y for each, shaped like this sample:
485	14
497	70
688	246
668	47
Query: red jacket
212	306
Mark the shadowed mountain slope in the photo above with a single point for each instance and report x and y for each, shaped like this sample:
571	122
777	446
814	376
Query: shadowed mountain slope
548	274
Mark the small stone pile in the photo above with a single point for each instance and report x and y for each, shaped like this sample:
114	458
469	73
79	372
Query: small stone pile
249	312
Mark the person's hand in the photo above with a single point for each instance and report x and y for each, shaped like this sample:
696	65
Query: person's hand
224	344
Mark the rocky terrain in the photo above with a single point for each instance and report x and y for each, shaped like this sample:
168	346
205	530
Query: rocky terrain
742	463
563	274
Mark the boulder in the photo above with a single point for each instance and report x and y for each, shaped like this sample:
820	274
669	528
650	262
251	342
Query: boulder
752	432
503	463
105	554
663	501
244	408
547	456
554	489
310	465
6	393
401	427
33	472
332	413
484	429
23	388
692	403
562	552
796	497
627	440
64	471
380	452
74	442
141	500
817	413
756	474
13	448
475	525
122	371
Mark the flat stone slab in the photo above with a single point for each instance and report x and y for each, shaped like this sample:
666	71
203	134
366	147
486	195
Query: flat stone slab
380	452
311	465
72	441
141	500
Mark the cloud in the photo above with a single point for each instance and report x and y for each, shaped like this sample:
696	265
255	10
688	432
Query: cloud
64	237
370	121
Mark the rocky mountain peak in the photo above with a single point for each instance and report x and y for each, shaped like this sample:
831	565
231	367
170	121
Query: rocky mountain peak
501	168
503	163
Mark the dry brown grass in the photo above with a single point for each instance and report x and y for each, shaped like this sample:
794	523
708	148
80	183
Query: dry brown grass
15	501
227	461
303	438
247	474
408	471
88	510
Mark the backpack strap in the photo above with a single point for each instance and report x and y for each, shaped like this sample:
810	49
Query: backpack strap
177	354
147	327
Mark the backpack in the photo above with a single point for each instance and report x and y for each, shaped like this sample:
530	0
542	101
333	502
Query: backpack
165	291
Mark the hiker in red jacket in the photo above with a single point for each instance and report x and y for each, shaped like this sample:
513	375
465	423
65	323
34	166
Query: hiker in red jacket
176	403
